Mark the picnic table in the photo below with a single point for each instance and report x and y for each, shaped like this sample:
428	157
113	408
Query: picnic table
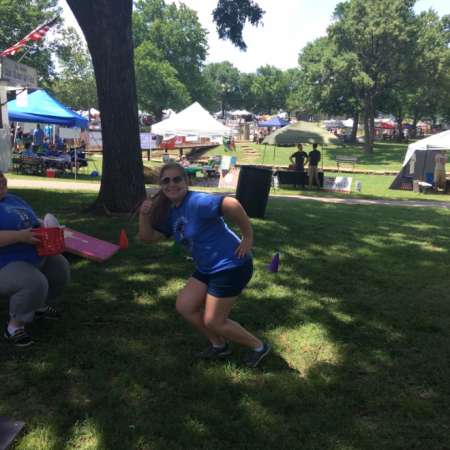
37	165
192	170
28	165
56	162
199	172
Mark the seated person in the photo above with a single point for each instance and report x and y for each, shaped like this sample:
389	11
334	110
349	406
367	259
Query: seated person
81	160
30	283
28	151
52	150
60	144
184	161
45	145
65	155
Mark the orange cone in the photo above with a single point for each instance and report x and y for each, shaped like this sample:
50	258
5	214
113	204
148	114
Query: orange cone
123	240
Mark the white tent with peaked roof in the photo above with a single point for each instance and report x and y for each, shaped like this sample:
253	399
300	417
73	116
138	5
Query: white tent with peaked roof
192	120
419	162
440	141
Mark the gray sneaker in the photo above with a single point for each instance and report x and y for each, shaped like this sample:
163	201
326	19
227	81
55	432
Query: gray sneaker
20	337
212	352
253	358
49	313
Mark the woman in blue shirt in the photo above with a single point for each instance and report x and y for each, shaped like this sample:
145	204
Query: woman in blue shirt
223	262
30	282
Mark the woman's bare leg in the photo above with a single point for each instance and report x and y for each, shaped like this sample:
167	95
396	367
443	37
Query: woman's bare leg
216	321
190	304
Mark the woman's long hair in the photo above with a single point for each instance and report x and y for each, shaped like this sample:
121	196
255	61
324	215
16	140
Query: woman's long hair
161	204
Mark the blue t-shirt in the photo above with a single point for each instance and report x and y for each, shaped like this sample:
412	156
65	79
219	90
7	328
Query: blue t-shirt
38	136
198	225
16	214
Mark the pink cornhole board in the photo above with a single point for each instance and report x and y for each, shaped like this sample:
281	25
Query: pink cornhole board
9	429
87	246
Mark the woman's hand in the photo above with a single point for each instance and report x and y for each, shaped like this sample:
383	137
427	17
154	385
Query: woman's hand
27	236
146	207
244	247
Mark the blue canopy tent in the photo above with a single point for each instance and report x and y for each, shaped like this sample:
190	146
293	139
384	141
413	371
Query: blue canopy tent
43	108
273	122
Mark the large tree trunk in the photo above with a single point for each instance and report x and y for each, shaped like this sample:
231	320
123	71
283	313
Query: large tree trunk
107	28
399	118
355	126
414	126
369	128
400	128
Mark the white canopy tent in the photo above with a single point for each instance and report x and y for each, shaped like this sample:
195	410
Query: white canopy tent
333	123
240	112
419	162
194	120
440	141
348	123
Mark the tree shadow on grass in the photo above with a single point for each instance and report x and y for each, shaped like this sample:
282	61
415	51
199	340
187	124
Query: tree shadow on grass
361	343
384	154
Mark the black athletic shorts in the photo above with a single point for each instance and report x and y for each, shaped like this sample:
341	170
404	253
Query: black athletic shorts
227	283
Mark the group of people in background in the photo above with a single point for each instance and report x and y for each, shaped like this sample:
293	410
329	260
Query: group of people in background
300	158
39	144
39	140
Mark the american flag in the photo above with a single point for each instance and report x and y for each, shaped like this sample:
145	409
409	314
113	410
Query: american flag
37	34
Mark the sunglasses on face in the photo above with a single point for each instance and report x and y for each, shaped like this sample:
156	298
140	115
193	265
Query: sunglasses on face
166	180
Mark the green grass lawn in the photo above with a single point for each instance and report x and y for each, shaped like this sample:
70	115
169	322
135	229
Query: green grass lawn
386	156
373	187
358	317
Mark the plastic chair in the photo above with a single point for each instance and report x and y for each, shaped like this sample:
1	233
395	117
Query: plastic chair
429	178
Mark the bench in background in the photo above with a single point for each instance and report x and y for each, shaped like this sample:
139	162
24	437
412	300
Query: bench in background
345	159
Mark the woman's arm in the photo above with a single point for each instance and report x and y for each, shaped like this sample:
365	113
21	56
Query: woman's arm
233	210
25	236
146	231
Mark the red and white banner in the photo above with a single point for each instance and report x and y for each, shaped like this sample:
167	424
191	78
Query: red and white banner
37	34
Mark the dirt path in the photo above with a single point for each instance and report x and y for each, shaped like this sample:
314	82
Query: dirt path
94	187
362	201
50	184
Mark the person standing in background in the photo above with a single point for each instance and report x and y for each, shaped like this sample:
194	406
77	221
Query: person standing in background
313	166
299	158
439	171
38	136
